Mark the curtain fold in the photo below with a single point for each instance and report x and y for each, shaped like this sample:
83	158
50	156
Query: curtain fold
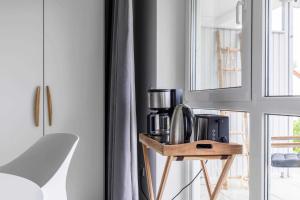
121	133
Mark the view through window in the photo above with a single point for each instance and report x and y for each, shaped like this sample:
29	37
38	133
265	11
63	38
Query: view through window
284	54
275	122
236	185
283	157
217	44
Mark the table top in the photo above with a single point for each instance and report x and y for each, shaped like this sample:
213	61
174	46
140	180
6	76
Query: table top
16	188
198	148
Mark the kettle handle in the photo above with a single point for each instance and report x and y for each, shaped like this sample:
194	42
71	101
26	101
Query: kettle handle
188	124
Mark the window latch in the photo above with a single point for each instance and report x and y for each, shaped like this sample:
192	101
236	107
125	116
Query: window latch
240	5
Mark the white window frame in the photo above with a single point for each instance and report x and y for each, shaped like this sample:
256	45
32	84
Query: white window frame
258	106
242	93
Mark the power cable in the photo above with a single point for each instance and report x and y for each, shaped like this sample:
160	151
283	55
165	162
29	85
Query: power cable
186	186
190	183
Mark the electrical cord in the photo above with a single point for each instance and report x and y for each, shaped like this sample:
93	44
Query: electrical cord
142	188
186	186
190	183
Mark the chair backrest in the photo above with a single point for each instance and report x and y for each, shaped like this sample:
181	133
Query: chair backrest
41	161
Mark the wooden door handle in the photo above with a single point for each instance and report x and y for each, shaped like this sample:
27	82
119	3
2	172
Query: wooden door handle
37	106
49	104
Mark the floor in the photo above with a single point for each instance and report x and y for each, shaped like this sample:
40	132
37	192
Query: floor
287	188
237	191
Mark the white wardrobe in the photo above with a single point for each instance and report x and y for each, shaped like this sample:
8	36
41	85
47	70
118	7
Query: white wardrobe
59	44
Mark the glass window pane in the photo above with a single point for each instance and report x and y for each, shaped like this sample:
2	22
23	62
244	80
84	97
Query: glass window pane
283	157
283	77
277	15
236	186
217	35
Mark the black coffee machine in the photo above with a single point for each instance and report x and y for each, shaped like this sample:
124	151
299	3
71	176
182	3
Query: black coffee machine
161	104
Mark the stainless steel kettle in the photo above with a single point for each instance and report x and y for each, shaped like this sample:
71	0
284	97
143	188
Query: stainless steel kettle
181	129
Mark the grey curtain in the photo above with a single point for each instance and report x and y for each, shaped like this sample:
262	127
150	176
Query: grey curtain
121	150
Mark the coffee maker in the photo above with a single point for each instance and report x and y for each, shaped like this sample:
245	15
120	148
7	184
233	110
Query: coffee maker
161	104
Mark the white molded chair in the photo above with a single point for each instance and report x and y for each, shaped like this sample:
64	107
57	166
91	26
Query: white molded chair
46	164
16	188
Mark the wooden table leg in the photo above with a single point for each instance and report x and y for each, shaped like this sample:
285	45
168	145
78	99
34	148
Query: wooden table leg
207	181
225	182
148	173
222	177
164	177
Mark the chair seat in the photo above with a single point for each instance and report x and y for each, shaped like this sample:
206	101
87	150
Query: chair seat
17	188
288	160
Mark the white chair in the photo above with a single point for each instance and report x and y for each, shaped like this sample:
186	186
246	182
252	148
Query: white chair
16	188
46	163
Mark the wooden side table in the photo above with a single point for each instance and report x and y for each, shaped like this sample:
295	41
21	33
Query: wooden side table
200	150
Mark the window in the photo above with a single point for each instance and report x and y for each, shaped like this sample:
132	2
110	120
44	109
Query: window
217	61
283	157
236	186
284	51
277	16
218	58
267	88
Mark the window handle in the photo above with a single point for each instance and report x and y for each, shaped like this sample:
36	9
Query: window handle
240	4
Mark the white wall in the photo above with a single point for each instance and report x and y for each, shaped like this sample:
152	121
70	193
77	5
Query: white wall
160	63
171	28
171	18
145	69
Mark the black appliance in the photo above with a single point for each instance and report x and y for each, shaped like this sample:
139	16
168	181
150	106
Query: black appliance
161	104
211	127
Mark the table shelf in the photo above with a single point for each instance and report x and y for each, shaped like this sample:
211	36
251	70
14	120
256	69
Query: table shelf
199	150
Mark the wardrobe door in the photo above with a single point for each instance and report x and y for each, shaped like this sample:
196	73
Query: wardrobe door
21	72
74	72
